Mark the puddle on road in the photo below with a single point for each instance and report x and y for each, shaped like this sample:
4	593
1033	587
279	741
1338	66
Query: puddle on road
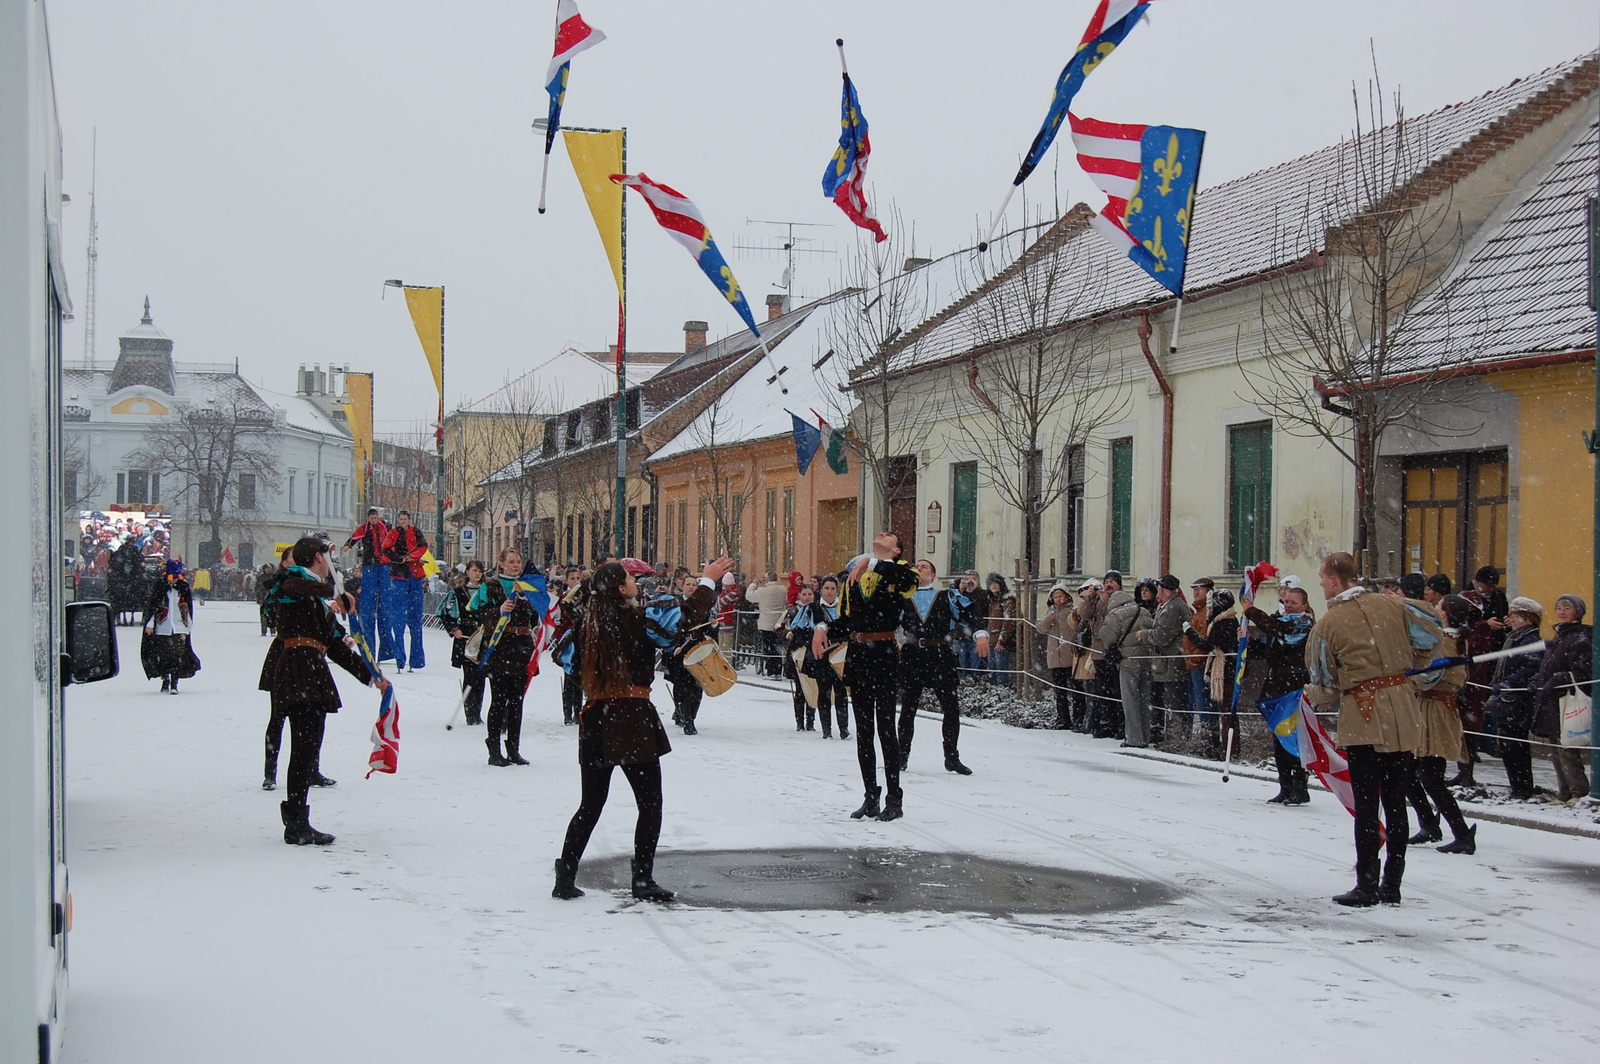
863	880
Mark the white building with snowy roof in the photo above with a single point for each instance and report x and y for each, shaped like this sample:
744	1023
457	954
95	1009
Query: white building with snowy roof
301	481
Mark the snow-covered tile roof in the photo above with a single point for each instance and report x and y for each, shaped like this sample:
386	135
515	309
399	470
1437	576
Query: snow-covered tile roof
1521	290
1242	227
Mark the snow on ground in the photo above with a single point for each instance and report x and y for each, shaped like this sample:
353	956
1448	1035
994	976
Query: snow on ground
427	933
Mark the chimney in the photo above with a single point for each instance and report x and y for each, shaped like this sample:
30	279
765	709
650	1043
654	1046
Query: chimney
775	305
914	263
694	335
301	384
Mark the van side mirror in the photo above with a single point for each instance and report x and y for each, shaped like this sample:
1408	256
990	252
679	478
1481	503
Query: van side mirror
91	642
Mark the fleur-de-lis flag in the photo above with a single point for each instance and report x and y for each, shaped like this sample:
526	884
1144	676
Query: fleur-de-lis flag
681	219
1148	174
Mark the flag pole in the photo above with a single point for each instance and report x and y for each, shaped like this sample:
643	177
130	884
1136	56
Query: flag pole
1177	317
839	43
777	374
544	176
983	245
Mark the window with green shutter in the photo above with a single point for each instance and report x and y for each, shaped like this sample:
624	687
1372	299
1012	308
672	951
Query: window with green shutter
963	516
1122	504
1249	495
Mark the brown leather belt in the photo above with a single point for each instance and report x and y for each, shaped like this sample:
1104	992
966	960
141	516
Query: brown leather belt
1366	692
305	641
613	696
1447	697
512	629
870	637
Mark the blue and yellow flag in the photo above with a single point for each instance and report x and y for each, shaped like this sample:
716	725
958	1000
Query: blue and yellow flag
1113	20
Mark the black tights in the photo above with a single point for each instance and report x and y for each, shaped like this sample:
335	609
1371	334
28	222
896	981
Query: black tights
1427	781
875	706
306	725
505	707
645	778
911	698
1380	779
832	698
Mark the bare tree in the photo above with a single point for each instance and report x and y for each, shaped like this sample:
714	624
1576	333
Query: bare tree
81	482
1334	364
508	437
222	454
869	341
1038	380
720	479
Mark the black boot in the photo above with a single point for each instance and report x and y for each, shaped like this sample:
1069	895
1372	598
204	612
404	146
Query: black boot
319	780
566	886
811	719
1394	869
1366	888
1298	794
514	752
166	682
952	763
892	808
645	887
1464	843
869	808
1426	833
495	759
297	829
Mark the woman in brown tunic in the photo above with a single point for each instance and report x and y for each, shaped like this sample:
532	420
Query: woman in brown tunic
616	658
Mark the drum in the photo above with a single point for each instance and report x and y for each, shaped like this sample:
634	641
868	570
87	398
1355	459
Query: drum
836	656
808	683
709	668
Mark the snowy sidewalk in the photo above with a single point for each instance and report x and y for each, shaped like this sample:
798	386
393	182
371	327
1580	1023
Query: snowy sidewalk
426	933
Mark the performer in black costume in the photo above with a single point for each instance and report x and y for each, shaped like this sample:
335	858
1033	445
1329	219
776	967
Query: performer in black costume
833	699
931	621
875	593
686	690
616	647
507	667
455	610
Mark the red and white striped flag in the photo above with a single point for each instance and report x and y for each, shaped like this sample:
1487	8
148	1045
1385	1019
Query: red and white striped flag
1109	153
573	35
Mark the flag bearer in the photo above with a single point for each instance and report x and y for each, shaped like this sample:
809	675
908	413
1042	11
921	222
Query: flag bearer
1357	656
876	590
508	662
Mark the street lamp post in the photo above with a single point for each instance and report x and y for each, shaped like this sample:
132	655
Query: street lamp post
438	434
619	507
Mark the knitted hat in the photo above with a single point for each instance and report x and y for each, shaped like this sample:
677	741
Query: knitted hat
1439	583
1290	582
1412	585
1576	603
1489	575
1112	574
1523	604
727	580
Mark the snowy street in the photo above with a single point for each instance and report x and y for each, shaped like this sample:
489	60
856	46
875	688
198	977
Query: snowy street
427	932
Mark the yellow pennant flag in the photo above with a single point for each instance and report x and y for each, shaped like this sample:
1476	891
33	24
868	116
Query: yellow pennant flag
595	157
427	314
358	413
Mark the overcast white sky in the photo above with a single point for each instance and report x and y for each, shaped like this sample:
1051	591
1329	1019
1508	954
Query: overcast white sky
264	167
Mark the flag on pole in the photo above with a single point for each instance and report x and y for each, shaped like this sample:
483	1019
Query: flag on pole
573	35
807	440
1148	174
838	461
682	220
1112	21
427	316
595	157
385	756
1297	726
845	179
1254	577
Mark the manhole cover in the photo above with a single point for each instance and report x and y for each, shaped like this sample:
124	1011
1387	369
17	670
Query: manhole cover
883	880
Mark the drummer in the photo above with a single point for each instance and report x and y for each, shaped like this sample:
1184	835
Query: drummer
832	697
798	664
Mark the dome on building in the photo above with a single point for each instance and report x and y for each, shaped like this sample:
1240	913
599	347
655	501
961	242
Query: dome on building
144	357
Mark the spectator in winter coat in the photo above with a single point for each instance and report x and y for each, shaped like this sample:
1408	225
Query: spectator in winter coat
1221	646
797	581
1194	659
1059	629
771	598
1002	627
727	612
1094	706
1566	665
967	648
1124	621
1162	643
1511	700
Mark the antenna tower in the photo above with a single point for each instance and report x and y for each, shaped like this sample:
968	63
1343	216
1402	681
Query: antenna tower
788	248
94	262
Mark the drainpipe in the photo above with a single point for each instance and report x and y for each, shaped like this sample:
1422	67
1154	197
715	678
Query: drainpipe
1166	440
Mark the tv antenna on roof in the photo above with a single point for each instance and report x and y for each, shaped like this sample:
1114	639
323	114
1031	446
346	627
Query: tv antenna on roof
788	246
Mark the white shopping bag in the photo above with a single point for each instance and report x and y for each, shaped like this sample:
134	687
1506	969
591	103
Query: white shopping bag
1577	719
